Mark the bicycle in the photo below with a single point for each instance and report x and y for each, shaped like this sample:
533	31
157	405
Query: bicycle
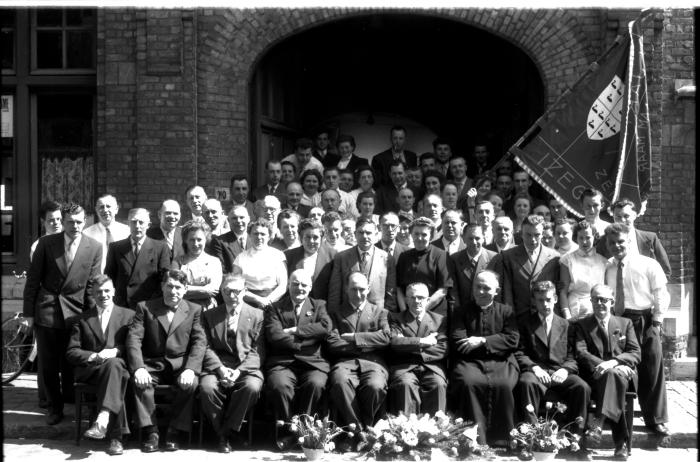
18	348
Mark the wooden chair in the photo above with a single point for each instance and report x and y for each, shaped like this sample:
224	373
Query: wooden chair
85	396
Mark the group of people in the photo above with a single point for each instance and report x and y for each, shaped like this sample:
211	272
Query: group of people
351	309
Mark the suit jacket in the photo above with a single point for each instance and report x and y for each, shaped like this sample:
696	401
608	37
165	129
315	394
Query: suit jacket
97	231
313	326
386	199
648	244
354	163
322	271
155	345
331	159
382	278
493	248
590	350
302	210
381	165
406	351
156	234
226	248
372	336
550	354
260	192
441	245
54	294
461	268
136	279
399	248
249	352
87	337
519	273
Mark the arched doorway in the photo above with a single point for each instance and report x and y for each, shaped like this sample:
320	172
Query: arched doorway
451	79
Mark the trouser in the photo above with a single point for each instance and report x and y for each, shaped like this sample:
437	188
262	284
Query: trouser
180	415
358	395
417	391
652	383
55	369
609	392
226	408
573	391
111	378
295	388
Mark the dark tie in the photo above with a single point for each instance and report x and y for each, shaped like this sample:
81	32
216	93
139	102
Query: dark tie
604	338
619	291
136	249
363	262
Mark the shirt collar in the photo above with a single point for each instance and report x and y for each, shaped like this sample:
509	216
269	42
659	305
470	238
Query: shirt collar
237	310
546	319
67	240
140	241
475	257
361	307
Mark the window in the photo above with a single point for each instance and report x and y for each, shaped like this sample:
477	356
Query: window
7	40
7	154
64	39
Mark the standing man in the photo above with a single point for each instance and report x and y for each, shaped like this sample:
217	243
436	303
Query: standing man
303	158
358	382
214	217
135	263
294	195
607	353
195	197
418	381
381	162
273	183
458	170
377	267
389	226
388	192
295	328
165	346
232	362
642	297
502	234
469	262
97	351
645	243
107	229
168	230
331	179
481	162
484	214
57	291
428	163
307	257
239	194
227	246
330	201
452	224
405	200
442	149
525	264
323	150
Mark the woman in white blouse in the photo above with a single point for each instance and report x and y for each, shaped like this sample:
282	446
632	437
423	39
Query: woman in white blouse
264	268
579	271
203	271
311	183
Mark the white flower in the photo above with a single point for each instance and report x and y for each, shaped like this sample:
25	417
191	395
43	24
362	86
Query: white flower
530	408
436	455
459	421
548	405
471	432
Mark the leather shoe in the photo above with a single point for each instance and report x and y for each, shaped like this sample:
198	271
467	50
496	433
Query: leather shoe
171	443
115	447
151	443
96	432
223	446
54	418
620	452
660	429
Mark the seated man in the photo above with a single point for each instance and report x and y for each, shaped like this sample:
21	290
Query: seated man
607	352
165	346
419	348
485	336
358	381
235	351
96	349
547	364
295	328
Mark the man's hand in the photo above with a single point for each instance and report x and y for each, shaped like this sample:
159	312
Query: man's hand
541	375
26	324
560	375
108	353
142	378
186	380
397	335
429	340
603	367
467	344
290	330
228	376
627	371
348	337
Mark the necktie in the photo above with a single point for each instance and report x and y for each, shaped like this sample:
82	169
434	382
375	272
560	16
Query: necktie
70	253
547	328
136	249
241	241
110	238
619	291
297	310
233	322
363	262
603	334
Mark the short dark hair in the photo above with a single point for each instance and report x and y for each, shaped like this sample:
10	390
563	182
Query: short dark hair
363	168
542	287
308	223
71	208
99	280
397	128
427	156
330	169
239	178
48	206
286	162
440	140
176	274
191	226
365	195
330	217
303	143
434	174
271	161
564	221
397	163
311	171
617	228
285	215
582	225
624	202
346	139
533	220
364	221
591	192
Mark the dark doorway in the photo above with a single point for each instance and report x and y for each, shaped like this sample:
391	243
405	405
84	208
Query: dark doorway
456	80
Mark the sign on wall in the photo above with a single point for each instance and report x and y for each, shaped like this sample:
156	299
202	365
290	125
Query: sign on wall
7	119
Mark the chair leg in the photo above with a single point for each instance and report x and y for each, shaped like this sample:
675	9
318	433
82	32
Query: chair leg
78	414
251	419
629	414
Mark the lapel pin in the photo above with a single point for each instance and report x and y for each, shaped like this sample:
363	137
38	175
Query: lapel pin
309	313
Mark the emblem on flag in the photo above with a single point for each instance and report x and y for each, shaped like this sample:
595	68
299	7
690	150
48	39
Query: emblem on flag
606	112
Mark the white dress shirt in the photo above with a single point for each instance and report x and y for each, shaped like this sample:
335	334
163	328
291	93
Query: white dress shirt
644	284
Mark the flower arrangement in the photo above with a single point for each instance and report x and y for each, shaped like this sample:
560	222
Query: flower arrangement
313	432
422	437
544	435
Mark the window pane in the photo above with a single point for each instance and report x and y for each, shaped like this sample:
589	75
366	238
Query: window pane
49	18
7	49
49	53
80	17
7	18
80	53
7	193
65	124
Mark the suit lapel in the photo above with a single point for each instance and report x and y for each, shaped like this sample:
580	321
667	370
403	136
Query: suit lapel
426	326
128	253
593	332
183	310
350	315
162	316
540	330
613	326
219	326
306	307
364	319
242	330
93	320
59	254
144	253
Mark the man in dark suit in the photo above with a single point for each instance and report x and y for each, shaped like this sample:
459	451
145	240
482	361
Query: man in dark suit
232	363
374	263
547	364
165	346
525	264
389	228
451	240
96	349
135	263
323	151
502	235
239	194
227	246
294	195
647	243
168	230
607	353
388	192
361	333
273	183
418	381
295	328
307	257
381	162
57	291
467	263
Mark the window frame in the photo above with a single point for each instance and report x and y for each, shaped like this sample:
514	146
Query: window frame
64	28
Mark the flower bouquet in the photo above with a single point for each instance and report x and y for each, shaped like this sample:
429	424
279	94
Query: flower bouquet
422	437
544	436
315	435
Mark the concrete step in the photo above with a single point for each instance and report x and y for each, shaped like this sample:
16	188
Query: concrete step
684	368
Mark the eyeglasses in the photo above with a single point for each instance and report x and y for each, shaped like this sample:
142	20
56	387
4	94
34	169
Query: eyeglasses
602	300
389	226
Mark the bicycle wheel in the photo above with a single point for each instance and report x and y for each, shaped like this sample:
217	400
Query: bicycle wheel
16	349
